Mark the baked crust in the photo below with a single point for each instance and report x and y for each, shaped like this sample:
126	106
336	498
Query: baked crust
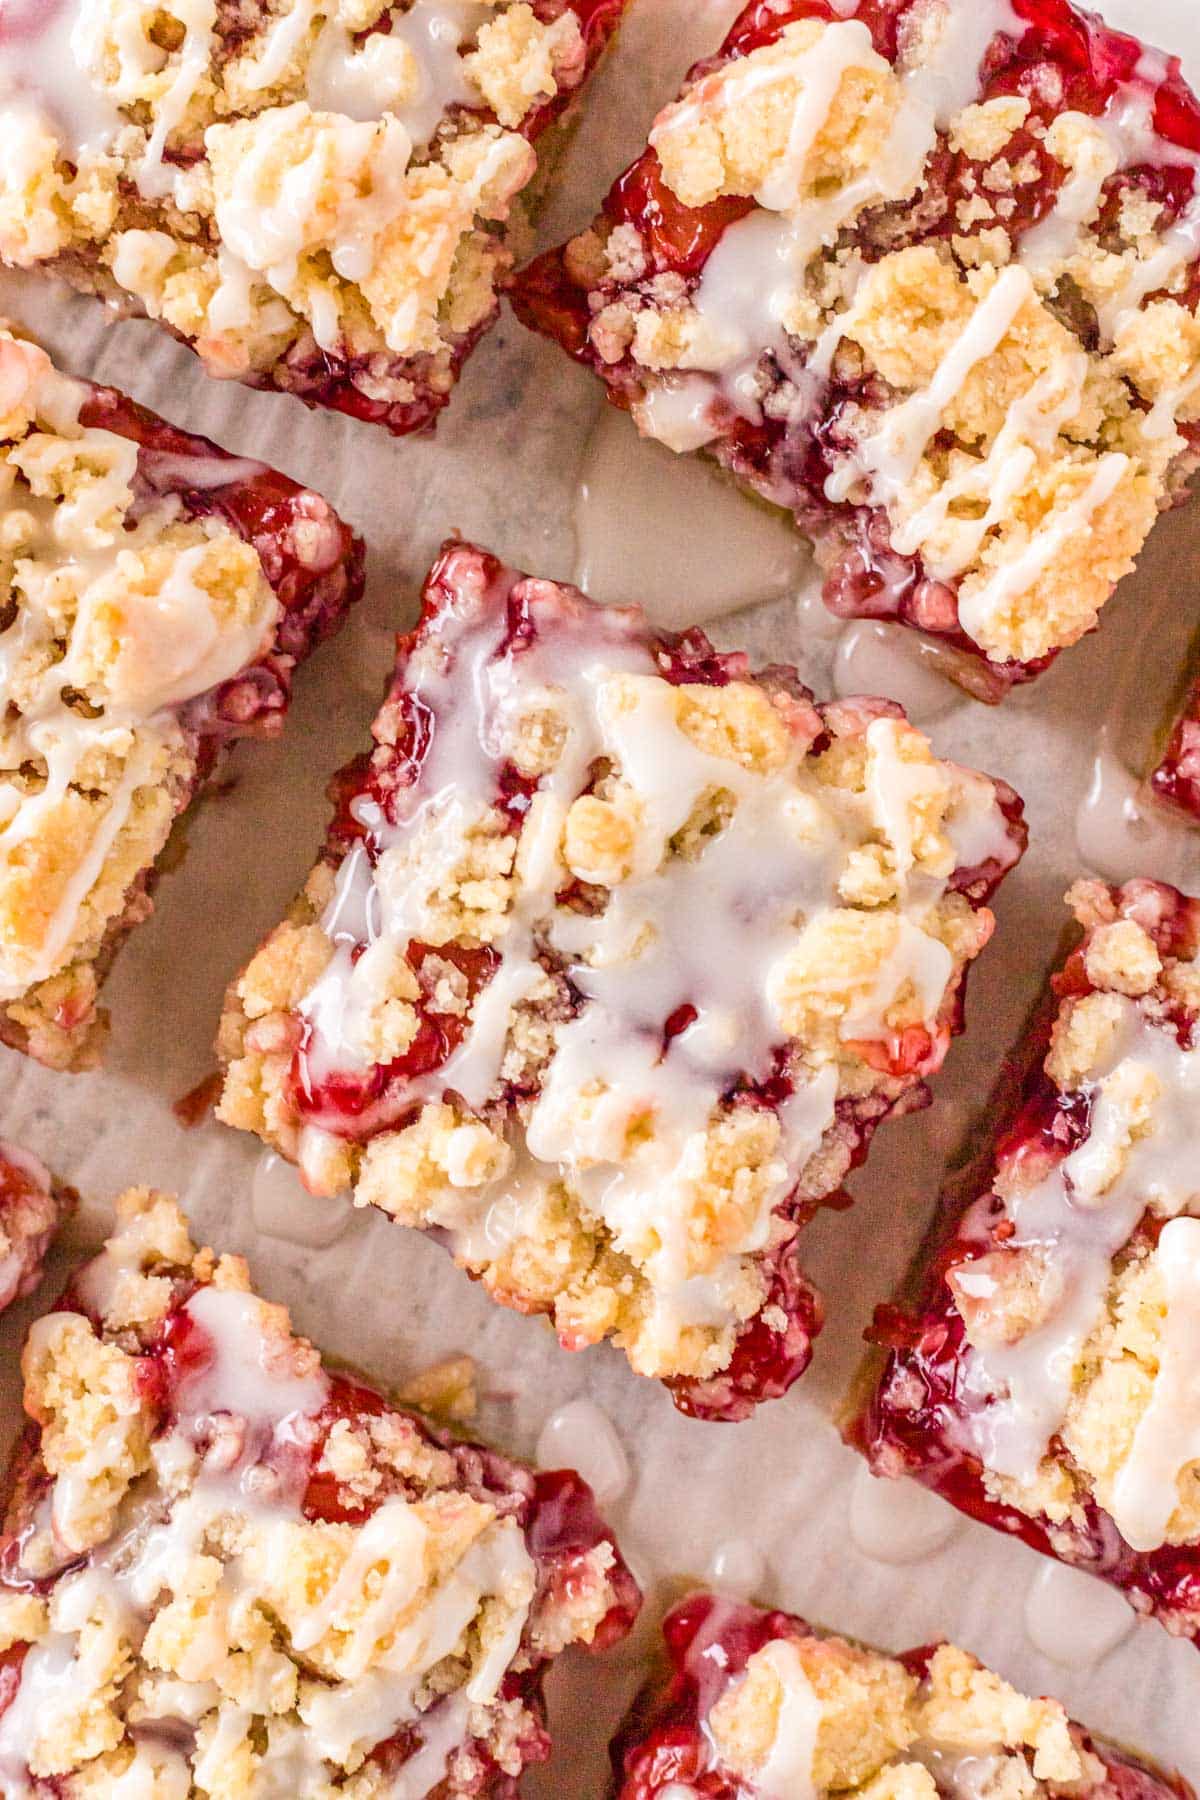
926	274
157	597
310	193
1032	1376
757	1703
616	955
225	1568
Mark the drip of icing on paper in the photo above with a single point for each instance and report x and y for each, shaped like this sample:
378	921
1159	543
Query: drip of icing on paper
673	535
898	1522
1073	1618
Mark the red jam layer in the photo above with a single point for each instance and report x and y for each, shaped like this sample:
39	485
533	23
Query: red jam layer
1065	60
911	1424
708	1642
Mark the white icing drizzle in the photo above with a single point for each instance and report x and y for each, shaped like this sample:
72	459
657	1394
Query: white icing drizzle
45	58
949	79
787	1773
1167	1439
888	457
240	1411
754	273
271	239
708	934
1082	1216
1073	1618
874	657
414	71
282	1207
672	534
581	1436
1032	422
899	1522
737	1568
1120	830
1071	522
427	41
752	279
198	18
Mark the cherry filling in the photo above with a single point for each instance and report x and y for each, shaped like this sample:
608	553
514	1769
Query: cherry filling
913	1422
1065	60
708	1642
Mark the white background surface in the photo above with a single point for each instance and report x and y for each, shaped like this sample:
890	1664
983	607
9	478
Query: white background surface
505	468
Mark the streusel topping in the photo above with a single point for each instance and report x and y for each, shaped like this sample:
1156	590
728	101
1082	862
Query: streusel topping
281	176
119	611
609	978
241	1573
925	298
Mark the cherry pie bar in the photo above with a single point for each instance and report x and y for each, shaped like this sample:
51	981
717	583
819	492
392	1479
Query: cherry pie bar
616	955
228	1572
308	192
925	272
32	1207
1041	1375
758	1706
155	598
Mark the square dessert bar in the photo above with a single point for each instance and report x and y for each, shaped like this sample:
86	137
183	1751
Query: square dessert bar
756	1705
616	955
925	272
32	1207
227	1571
156	595
310	193
1041	1374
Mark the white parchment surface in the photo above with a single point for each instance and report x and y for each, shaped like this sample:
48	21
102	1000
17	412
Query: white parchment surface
505	469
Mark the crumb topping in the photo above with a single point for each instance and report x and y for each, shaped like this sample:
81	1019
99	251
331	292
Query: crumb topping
286	1581
281	181
641	953
952	326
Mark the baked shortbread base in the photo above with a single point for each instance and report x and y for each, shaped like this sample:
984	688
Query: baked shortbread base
925	273
758	1706
616	955
156	596
310	193
1040	1373
227	1571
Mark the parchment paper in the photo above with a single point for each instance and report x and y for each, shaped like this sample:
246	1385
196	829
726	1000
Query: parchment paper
504	469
